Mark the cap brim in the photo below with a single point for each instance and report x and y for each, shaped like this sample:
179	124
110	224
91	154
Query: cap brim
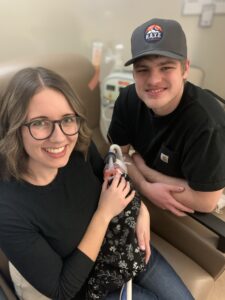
156	52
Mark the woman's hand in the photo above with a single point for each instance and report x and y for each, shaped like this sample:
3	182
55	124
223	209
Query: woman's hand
113	198
143	231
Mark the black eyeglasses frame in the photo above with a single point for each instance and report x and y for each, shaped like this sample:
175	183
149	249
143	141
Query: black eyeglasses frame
59	122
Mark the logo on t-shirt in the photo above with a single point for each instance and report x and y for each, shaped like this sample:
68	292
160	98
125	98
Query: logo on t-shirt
164	158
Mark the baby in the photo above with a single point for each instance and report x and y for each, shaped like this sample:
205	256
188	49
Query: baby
120	257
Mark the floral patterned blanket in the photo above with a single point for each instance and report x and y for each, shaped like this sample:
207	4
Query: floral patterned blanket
120	257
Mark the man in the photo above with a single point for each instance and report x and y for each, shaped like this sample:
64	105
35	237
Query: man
176	128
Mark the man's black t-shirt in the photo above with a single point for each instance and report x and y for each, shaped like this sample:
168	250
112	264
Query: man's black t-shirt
188	143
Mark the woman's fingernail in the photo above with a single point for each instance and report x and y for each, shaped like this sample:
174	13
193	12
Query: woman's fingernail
142	247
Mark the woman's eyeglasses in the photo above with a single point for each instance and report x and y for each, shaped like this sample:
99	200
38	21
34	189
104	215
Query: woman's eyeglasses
42	129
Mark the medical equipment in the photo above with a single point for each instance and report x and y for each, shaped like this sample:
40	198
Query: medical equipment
112	84
110	90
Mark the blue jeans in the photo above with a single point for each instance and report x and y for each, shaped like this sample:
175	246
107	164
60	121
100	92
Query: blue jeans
2	295
158	282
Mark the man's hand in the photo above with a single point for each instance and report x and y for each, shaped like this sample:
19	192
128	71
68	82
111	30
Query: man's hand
161	194
169	192
143	231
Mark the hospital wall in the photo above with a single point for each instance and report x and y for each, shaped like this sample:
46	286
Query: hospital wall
30	27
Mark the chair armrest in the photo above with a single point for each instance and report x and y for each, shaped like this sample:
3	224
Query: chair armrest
190	237
213	223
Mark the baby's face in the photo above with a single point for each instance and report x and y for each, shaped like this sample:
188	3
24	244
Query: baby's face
110	173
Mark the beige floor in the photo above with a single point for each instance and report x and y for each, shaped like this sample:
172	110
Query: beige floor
219	291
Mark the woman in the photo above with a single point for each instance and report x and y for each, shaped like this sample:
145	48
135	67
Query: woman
53	211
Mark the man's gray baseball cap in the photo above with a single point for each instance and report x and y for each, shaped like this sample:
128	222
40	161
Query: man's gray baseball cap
158	37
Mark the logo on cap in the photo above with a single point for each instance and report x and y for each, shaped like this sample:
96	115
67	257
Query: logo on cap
153	33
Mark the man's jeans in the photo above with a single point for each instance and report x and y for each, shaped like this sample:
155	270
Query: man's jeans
158	282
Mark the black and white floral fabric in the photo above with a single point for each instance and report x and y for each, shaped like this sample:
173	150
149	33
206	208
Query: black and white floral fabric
120	258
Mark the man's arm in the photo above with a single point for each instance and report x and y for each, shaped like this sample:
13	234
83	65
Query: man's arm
161	194
197	200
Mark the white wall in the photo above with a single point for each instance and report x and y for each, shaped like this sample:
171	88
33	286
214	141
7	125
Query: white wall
43	26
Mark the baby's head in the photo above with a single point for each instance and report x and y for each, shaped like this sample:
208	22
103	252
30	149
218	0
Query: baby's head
114	162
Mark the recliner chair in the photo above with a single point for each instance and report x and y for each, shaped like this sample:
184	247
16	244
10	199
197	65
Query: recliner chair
189	246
